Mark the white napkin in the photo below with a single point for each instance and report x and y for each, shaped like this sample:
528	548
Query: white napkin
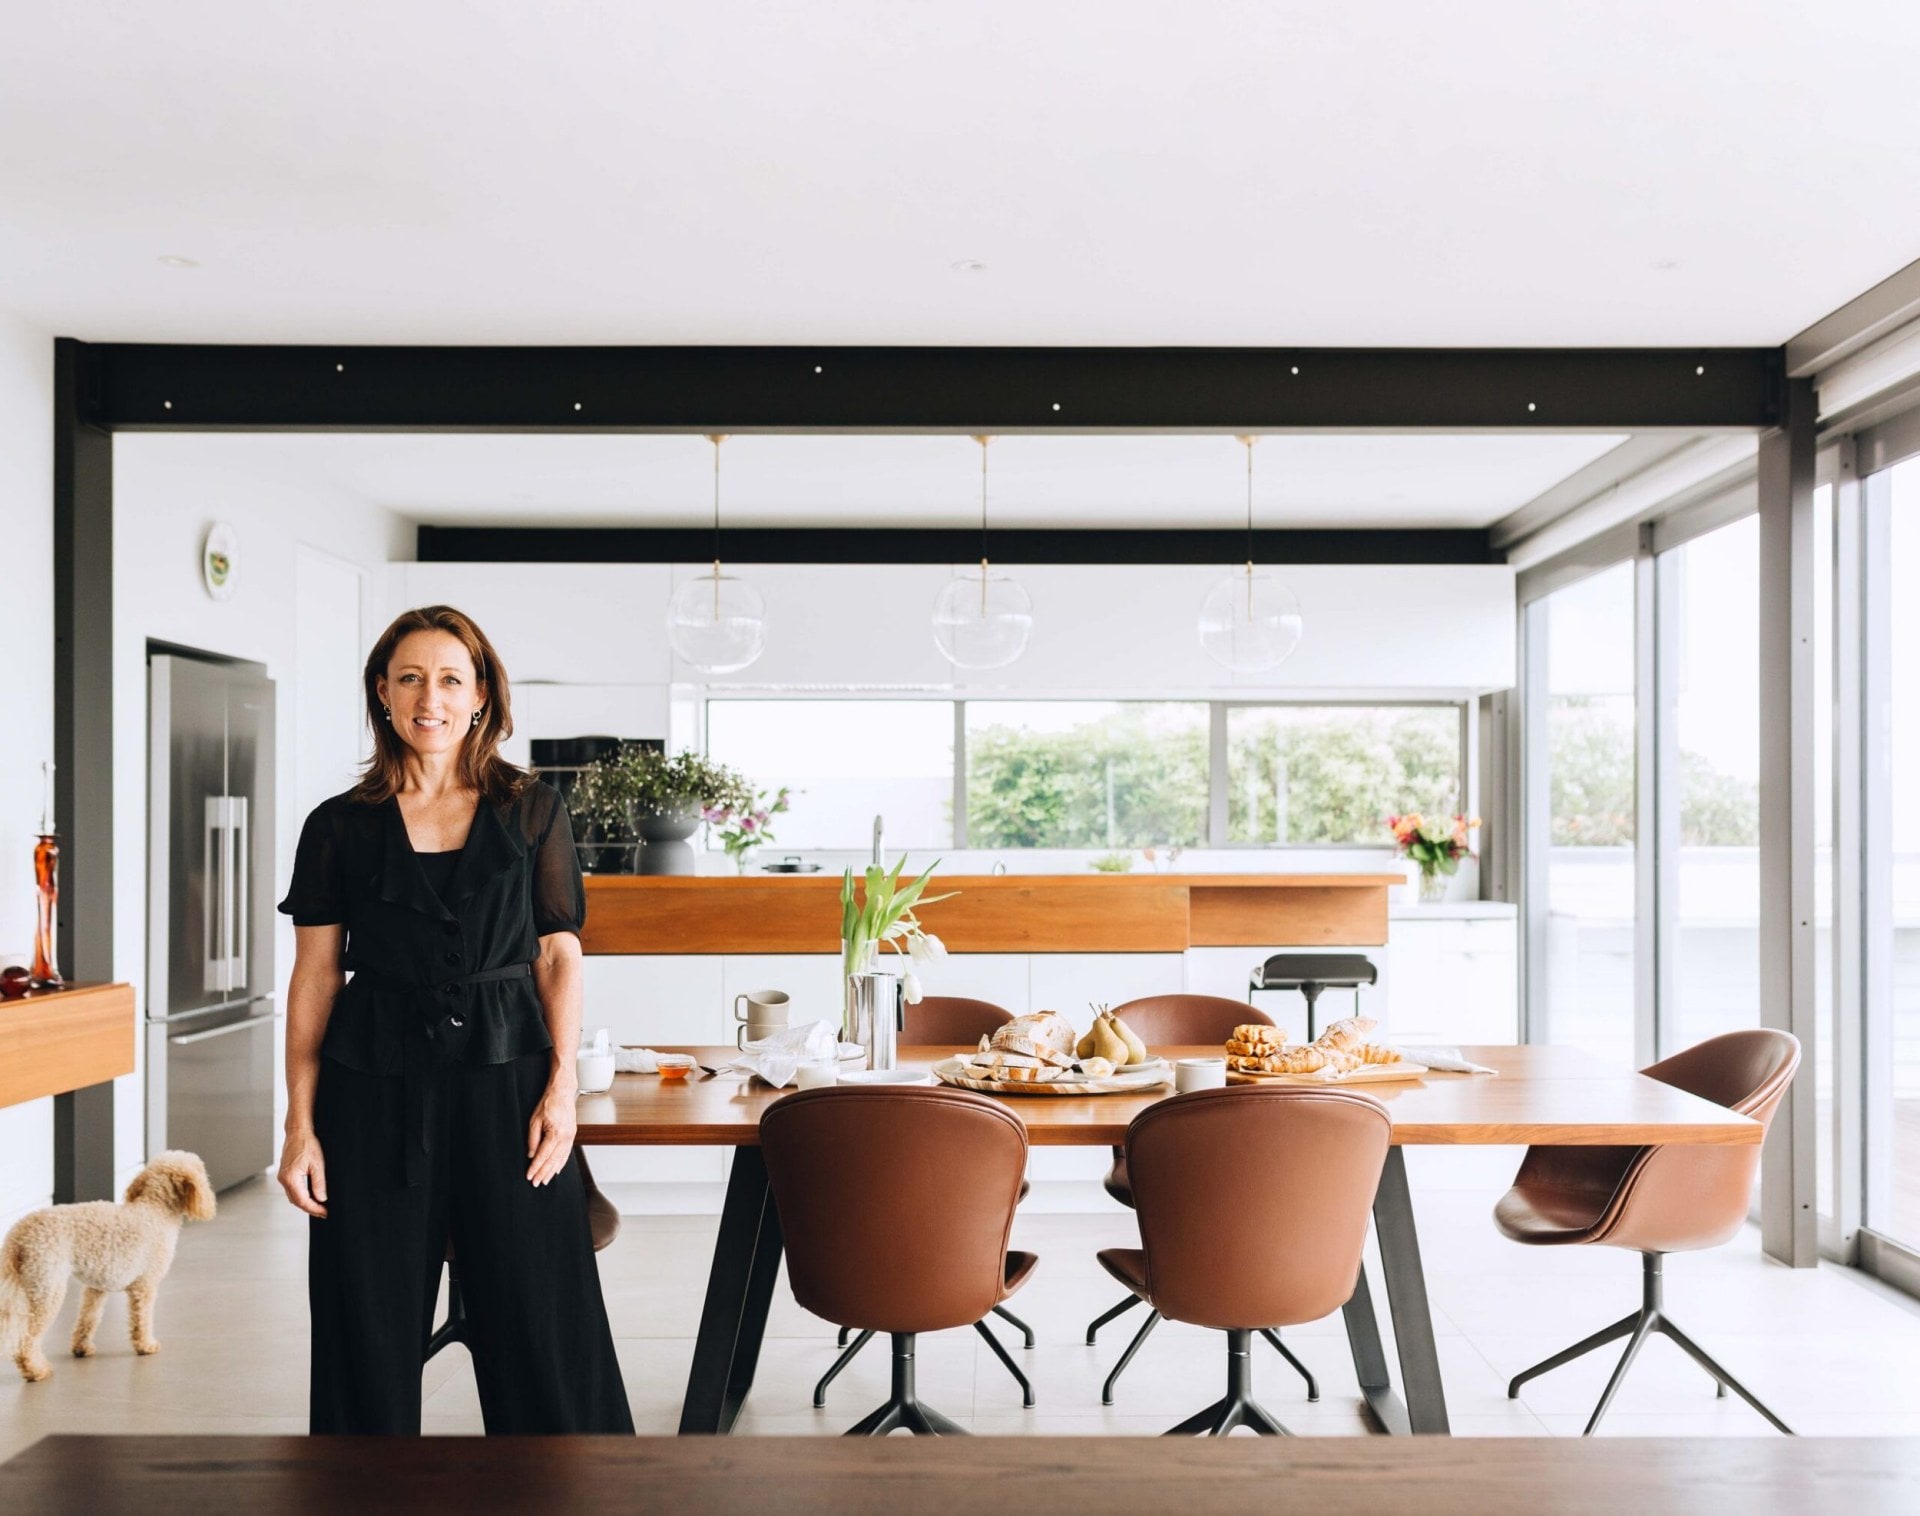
1446	1060
635	1061
779	1055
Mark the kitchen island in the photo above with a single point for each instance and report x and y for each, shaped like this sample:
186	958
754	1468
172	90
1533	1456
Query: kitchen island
997	913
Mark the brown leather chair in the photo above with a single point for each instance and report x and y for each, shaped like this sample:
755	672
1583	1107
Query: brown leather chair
1220	1251
896	1203
603	1224
1656	1200
945	1021
1175	1021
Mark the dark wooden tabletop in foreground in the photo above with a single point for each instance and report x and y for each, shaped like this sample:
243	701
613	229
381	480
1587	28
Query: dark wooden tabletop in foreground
795	1476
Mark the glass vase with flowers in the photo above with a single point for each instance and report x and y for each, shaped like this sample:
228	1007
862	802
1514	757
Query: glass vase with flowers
1436	844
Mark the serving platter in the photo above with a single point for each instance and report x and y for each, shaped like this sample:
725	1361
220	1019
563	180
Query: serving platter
1149	1075
1372	1073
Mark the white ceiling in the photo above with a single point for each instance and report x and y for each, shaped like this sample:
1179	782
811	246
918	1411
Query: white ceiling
1129	171
1118	481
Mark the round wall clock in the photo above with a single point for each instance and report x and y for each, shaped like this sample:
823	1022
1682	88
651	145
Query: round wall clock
220	560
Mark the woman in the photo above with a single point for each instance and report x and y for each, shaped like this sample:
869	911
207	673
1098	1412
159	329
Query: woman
431	1096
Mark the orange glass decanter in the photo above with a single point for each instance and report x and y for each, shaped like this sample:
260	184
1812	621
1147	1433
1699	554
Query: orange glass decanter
46	883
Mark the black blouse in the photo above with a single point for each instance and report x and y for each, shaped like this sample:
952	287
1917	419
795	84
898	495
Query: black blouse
450	974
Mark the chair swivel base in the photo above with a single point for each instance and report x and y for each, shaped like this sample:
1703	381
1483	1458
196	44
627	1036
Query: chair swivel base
1638	1327
903	1407
1237	1408
1153	1320
1025	1331
853	1347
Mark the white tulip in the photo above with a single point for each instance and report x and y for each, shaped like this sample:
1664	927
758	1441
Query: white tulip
910	985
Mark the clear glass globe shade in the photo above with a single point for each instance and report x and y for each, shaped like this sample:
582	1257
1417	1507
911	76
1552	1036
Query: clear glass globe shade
982	621
717	623
1250	623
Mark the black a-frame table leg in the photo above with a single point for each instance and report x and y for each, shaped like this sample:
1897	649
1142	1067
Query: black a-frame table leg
1425	1408
746	1264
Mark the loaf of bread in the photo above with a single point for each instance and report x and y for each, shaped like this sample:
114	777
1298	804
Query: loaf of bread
1041	1030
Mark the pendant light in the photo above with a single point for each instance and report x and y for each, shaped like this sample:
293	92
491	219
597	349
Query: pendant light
715	622
982	621
1250	622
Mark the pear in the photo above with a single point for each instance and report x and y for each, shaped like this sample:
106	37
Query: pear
1109	1044
1136	1049
1084	1047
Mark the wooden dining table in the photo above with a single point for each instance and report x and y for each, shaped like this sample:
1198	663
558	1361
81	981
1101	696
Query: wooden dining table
1540	1094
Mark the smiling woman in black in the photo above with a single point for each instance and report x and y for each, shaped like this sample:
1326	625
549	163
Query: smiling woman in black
430	1095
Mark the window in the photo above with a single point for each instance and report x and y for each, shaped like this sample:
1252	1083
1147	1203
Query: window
1711	937
1305	775
846	761
1086	774
1583	990
1092	775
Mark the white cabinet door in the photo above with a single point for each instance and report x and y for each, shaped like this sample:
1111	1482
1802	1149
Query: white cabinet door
1454	981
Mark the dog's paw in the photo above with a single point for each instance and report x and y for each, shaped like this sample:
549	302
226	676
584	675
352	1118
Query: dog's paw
146	1348
34	1372
83	1350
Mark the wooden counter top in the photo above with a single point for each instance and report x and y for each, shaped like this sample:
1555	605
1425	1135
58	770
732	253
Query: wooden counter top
996	913
61	1040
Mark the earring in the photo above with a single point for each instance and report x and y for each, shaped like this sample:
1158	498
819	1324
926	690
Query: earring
387	711
477	715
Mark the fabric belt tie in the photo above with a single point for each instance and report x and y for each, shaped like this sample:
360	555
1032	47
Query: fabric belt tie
427	1045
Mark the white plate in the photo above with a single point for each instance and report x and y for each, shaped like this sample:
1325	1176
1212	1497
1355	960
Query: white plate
883	1076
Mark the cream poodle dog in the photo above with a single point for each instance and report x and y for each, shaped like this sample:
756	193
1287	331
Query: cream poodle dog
106	1247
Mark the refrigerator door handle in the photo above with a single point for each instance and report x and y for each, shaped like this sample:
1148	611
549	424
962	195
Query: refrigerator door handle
222	1031
213	918
239	881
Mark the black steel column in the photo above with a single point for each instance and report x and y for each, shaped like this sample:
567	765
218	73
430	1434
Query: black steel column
83	742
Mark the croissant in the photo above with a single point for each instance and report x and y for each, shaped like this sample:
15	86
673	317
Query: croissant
1298	1060
1373	1052
1254	1032
1347	1033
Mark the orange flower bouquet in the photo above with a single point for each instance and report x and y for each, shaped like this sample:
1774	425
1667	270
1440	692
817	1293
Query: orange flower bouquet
1436	844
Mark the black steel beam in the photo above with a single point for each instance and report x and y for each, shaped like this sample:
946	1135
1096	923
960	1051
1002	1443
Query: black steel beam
958	389
82	743
559	544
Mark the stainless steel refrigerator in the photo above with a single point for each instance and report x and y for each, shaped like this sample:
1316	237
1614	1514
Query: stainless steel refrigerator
211	1018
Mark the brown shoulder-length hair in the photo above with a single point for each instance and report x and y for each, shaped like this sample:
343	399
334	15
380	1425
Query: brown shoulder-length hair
481	766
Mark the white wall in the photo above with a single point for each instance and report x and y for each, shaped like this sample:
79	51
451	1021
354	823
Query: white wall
167	491
26	733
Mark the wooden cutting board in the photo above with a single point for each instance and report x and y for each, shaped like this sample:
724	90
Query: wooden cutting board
1373	1073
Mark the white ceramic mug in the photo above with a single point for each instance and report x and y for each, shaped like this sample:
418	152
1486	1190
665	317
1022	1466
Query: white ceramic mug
1199	1074
595	1071
762	1012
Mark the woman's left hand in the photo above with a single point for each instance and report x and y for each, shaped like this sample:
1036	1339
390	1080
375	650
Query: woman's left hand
550	1133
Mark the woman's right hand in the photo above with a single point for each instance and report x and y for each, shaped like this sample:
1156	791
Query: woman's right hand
303	1173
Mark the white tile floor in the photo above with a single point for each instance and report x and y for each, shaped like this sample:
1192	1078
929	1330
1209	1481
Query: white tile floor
1828	1349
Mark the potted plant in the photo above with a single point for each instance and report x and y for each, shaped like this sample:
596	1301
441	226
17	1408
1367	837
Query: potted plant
640	792
1435	844
602	815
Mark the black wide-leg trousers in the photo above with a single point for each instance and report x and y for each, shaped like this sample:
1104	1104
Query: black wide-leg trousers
542	1350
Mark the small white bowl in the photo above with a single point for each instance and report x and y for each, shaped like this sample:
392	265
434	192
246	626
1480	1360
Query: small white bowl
883	1076
1199	1074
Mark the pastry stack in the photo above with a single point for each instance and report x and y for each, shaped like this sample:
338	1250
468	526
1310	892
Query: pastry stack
1341	1048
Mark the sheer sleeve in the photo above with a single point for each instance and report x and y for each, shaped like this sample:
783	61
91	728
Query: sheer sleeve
559	896
317	895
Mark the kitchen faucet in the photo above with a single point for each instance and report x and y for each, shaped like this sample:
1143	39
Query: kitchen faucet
879	825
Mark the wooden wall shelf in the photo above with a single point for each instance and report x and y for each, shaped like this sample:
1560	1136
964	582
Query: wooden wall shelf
65	1040
1007	913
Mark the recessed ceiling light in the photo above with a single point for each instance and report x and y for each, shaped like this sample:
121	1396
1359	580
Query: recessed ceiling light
174	260
967	266
1664	265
